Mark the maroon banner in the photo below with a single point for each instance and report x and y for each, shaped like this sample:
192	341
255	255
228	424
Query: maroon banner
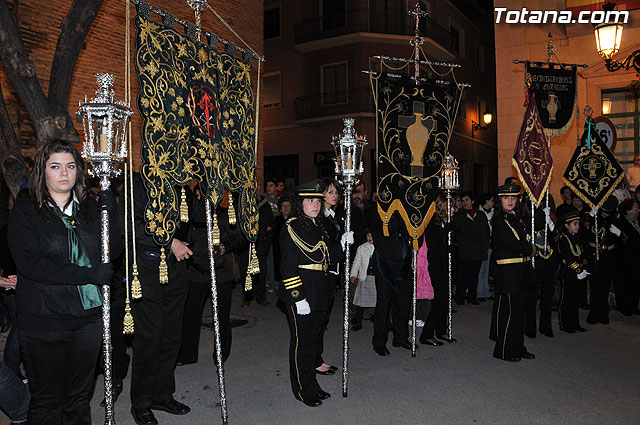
532	157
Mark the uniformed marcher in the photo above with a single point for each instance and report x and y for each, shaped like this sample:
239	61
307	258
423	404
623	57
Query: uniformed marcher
306	252
573	272
512	251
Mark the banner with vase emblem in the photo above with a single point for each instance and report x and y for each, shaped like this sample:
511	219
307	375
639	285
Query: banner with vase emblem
415	123
593	172
556	93
532	157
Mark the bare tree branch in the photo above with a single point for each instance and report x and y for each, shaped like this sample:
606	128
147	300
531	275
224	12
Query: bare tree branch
75	28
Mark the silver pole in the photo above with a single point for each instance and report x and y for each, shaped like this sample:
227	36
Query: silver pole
547	202
347	270
106	311
216	318
450	260
533	231
595	217
413	303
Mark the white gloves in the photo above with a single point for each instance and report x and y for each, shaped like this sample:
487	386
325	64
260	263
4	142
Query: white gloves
547	217
347	238
583	274
303	307
593	212
613	229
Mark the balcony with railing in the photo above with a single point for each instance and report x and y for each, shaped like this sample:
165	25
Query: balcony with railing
368	21
334	103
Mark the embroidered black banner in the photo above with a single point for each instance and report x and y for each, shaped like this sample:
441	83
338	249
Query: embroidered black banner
556	91
532	157
414	127
197	112
593	172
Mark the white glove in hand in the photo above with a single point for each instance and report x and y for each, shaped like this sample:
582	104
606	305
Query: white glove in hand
347	238
583	275
302	307
593	212
547	217
613	229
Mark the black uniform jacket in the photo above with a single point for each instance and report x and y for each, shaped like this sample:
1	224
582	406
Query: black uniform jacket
304	243
511	250
573	254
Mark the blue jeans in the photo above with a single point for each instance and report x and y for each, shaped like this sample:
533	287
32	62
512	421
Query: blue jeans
12	357
483	278
14	395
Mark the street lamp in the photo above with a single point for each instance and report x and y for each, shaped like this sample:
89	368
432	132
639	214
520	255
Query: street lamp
349	167
608	40
487	117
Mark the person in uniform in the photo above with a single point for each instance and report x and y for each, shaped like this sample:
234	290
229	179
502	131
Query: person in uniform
609	235
306	251
545	273
512	252
573	272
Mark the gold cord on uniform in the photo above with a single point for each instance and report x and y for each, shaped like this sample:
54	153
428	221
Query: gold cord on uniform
308	248
232	211
215	231
184	208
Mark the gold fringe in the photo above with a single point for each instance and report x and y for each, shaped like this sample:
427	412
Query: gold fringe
396	205
232	210
128	319
136	287
255	264
163	269
215	232
248	282
184	208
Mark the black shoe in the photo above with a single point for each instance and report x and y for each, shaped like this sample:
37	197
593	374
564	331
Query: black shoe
406	345
604	321
356	327
580	329
460	302
508	359
636	311
313	401
569	331
333	368
527	355
143	416
473	302
116	391
170	406
325	372
323	395
445	338
235	323
263	303
491	298
547	333
431	341
381	351
245	304
585	306
453	310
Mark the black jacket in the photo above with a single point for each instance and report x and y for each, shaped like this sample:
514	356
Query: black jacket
46	294
510	241
471	235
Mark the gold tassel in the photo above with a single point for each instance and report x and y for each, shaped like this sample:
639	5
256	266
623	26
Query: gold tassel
248	282
215	232
232	210
128	319
136	287
184	208
164	271
255	264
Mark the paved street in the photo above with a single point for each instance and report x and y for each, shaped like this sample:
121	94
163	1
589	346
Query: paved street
590	378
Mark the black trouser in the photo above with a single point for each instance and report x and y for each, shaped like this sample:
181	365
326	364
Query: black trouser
158	330
305	331
60	366
467	283
199	293
318	360
258	282
510	308
392	300
437	319
600	284
119	357
546	275
627	288
530	312
568	310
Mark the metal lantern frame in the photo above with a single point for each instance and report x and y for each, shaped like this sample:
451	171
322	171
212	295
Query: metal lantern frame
349	147
105	148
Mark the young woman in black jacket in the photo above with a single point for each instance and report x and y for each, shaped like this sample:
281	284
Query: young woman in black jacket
54	237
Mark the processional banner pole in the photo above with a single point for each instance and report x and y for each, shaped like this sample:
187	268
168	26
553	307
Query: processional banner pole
349	167
449	182
105	122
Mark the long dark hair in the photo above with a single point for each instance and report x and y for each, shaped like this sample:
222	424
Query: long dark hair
38	179
298	211
328	181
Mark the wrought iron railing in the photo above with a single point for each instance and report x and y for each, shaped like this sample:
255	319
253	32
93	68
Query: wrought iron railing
334	103
368	21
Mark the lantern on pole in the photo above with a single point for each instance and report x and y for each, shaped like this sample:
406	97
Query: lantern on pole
349	167
105	122
449	182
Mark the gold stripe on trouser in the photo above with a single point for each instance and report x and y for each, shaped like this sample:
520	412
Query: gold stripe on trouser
295	324
498	316
504	340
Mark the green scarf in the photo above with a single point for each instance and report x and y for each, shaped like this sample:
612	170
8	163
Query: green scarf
89	294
